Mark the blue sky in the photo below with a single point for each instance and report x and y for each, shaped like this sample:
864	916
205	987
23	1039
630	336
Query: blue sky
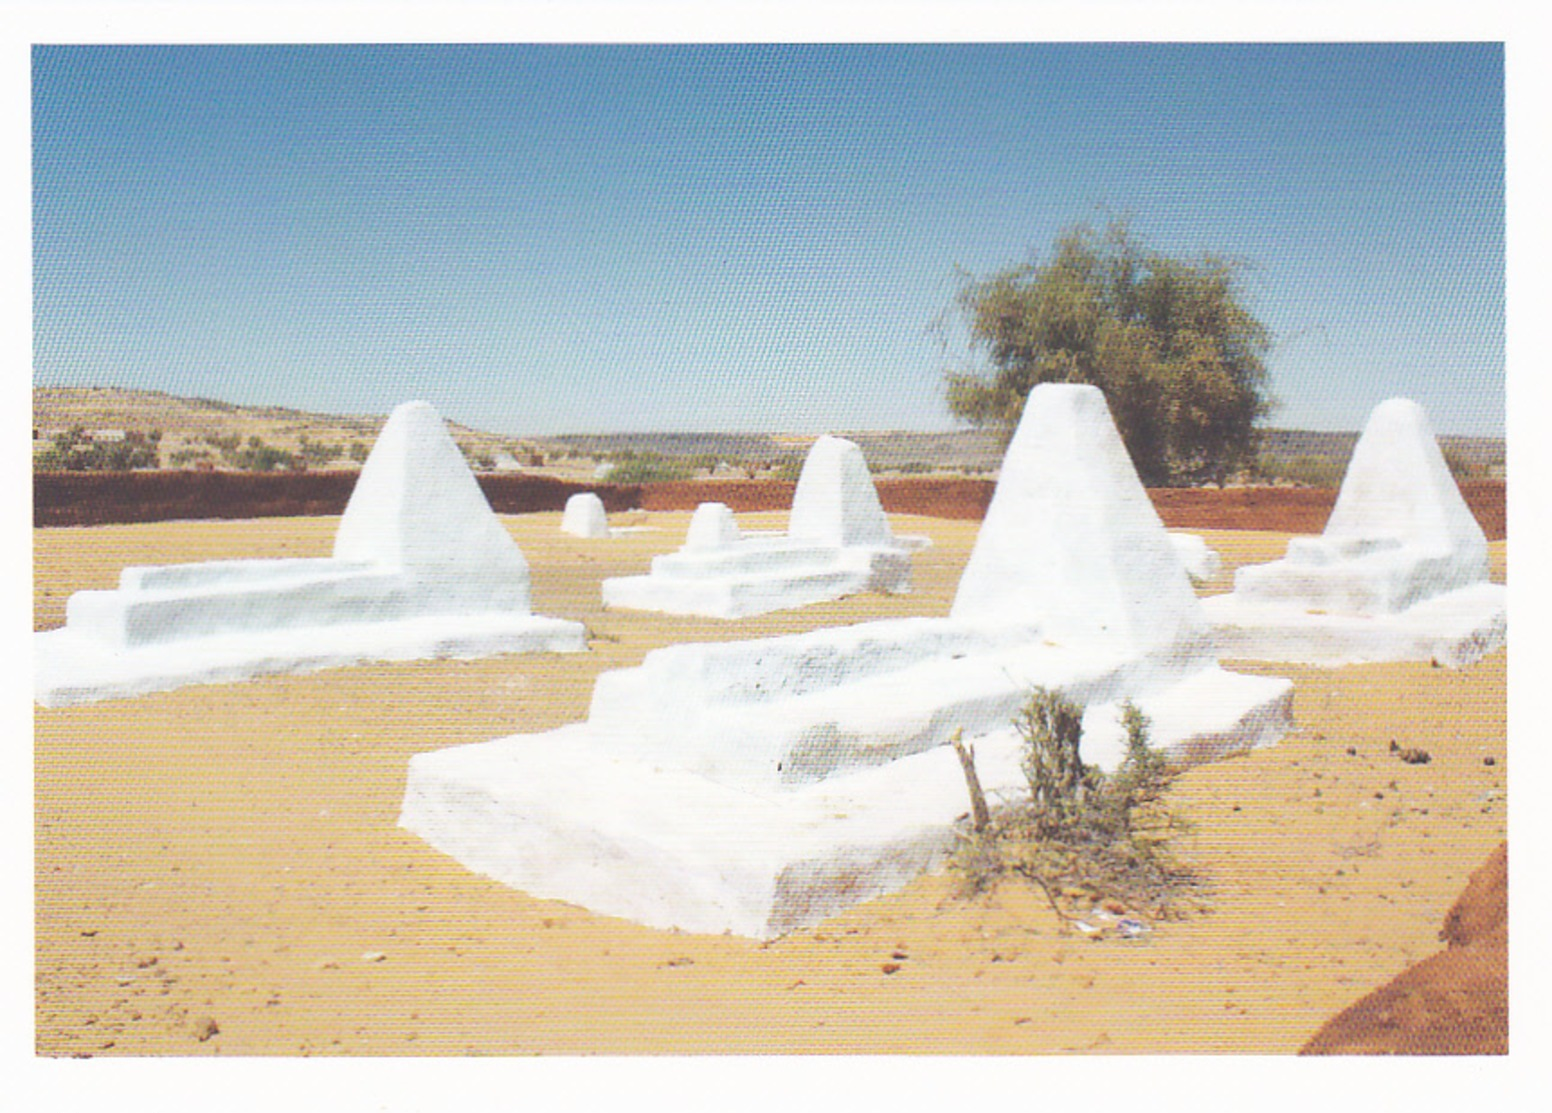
550	239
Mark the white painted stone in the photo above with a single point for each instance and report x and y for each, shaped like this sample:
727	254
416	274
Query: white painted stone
1400	572
421	568
835	502
1071	540
1201	560
584	516
712	526
760	786
838	543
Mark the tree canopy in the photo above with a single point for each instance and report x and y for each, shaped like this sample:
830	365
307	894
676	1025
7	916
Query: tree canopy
1177	354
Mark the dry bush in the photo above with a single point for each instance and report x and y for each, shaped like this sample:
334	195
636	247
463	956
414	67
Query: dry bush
1085	838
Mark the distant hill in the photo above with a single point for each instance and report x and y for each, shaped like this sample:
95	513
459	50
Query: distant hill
1484	455
188	426
975	451
191	425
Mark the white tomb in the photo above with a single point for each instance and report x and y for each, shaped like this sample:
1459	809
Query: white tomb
1200	559
584	516
760	786
1400	572
838	543
421	568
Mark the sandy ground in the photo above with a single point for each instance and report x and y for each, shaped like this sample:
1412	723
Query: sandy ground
219	870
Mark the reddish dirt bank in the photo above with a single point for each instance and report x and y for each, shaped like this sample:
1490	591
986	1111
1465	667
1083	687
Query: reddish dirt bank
1294	509
1455	1002
104	498
87	499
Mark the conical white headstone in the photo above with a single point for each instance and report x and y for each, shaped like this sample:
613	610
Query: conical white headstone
418	507
835	502
712	526
1399	487
1071	541
584	516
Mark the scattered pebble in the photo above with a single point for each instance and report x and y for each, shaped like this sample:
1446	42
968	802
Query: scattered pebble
1489	760
373	956
1132	929
890	967
205	1027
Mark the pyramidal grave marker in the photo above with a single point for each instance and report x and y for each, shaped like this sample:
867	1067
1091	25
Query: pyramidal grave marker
1400	572
421	567
760	786
837	543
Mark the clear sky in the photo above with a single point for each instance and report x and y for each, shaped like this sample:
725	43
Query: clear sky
573	238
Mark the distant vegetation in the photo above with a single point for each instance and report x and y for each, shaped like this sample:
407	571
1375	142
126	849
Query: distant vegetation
1085	838
77	450
108	429
648	467
1170	342
1306	471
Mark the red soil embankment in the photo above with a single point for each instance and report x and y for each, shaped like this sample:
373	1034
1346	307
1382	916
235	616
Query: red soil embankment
1453	1003
1295	509
99	498
102	498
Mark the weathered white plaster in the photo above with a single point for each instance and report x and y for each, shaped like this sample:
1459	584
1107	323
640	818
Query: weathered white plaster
712	527
760	786
835	502
584	516
1201	560
837	543
1400	572
421	568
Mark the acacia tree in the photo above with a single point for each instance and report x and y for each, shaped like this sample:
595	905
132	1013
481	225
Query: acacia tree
1169	342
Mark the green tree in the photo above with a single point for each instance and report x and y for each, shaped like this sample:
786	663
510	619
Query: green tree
1170	343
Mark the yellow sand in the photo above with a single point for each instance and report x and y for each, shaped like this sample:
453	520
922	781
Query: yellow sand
230	854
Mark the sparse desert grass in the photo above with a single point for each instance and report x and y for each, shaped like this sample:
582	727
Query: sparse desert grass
231	852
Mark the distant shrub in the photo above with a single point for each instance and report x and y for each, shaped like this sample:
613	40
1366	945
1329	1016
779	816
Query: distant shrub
185	456
75	450
915	467
649	467
358	452
1459	466
1081	836
257	456
788	468
315	453
1306	470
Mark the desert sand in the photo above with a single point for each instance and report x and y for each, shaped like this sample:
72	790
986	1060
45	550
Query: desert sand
219	870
